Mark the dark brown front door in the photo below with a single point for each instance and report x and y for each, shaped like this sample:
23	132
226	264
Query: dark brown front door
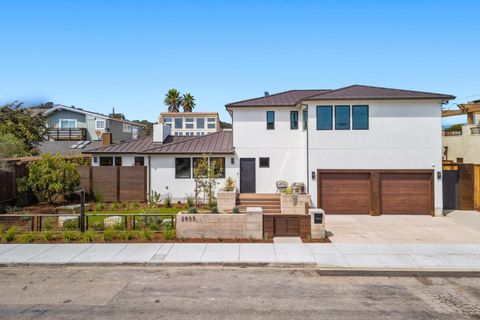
247	175
347	193
406	193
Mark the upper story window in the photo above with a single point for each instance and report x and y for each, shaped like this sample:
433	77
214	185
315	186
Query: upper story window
305	118
342	117
293	119
68	123
270	120
324	118
100	124
167	121
189	123
211	123
178	123
200	123
360	117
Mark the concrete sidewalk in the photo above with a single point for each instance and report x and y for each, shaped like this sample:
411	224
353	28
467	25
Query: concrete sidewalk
334	255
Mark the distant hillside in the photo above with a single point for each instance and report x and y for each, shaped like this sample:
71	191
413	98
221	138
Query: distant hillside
225	125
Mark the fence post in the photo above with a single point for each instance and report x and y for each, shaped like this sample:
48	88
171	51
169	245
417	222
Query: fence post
82	210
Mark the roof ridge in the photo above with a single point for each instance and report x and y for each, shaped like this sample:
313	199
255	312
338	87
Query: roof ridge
186	140
122	142
251	99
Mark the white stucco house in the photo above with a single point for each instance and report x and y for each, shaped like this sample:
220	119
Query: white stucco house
357	149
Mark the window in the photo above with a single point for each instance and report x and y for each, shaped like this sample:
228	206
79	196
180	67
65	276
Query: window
293	120
178	123
106	161
167	121
189	123
211	123
324	118
139	161
264	162
342	117
100	124
360	117
305	119
118	161
68	123
459	160
197	173
183	168
218	166
270	120
211	119
200	123
126	128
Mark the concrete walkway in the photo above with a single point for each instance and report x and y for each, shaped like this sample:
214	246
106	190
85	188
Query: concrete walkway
335	255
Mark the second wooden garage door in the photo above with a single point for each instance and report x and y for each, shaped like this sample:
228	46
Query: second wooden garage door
406	193
347	193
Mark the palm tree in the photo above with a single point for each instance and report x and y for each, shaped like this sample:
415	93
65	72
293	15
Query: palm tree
188	102
173	100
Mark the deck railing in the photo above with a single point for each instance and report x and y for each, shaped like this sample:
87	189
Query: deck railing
67	134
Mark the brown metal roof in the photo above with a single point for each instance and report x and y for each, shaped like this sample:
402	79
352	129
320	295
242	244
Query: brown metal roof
355	92
218	142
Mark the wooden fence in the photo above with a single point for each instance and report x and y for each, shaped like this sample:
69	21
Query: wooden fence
461	186
8	181
113	184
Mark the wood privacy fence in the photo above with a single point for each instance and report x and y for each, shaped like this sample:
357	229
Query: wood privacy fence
461	186
8	182
113	184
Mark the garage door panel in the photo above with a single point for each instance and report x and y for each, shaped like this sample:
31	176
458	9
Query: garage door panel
347	193
405	193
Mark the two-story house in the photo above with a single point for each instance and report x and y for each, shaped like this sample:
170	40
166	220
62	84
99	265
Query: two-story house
191	123
358	149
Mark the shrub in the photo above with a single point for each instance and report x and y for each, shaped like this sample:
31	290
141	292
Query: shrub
11	209
229	184
47	236
27	237
129	235
146	235
235	210
47	225
192	210
136	205
169	234
168	200
111	234
70	225
70	235
99	206
98	226
190	201
115	206
288	190
154	199
214	210
89	236
10	234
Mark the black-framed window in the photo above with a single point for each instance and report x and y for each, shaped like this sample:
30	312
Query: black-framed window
264	162
218	166
342	117
118	161
360	117
178	123
183	168
324	117
106	161
139	161
196	173
305	118
293	120
270	120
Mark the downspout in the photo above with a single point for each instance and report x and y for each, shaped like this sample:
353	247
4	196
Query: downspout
306	149
149	180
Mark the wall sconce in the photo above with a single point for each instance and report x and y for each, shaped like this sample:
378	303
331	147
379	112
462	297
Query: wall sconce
439	175
95	159
232	160
313	175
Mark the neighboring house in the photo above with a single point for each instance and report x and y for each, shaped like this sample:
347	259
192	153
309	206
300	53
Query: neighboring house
72	130
191	123
463	145
358	149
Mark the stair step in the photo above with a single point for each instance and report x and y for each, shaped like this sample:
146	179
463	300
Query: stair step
255	196
259	205
256	203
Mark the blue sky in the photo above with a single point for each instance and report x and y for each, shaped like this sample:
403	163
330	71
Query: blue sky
127	54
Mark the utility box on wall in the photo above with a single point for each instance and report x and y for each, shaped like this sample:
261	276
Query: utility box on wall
317	217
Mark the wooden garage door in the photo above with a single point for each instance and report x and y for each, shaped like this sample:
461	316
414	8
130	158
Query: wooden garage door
344	192
406	193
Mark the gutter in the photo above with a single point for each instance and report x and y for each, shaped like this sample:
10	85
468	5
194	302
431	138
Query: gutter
307	146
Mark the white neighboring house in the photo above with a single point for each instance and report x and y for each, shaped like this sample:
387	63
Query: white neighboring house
191	123
358	149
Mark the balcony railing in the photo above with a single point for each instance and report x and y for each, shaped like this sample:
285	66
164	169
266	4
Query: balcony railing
67	134
475	130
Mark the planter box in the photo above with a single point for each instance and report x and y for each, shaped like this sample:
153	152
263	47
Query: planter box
288	205
226	200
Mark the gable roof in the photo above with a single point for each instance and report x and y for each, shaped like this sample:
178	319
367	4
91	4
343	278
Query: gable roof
355	92
79	110
213	143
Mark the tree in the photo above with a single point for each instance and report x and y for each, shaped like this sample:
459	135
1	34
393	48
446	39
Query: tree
206	176
50	177
188	102
23	124
173	100
11	146
148	130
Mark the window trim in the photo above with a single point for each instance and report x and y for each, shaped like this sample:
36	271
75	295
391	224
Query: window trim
368	117
331	117
96	124
135	161
224	165
349	116
203	124
266	119
60	123
175	123
106	157
292	112
260	162
190	168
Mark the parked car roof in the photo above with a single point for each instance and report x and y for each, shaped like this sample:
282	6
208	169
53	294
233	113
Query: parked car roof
218	142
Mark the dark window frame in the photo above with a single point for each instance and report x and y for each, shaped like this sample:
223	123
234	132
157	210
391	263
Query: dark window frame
270	124
177	176
343	106
331	117
264	159
293	120
138	158
368	116
102	164
119	163
223	167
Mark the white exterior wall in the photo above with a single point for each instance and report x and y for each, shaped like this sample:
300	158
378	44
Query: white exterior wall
285	147
401	135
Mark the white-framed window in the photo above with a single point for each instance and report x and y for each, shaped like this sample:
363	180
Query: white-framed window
188	123
167	121
67	123
126	128
100	124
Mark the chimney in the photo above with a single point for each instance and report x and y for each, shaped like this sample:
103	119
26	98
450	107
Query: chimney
266	93
106	138
160	132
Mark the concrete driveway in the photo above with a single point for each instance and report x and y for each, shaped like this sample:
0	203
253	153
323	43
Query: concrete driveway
455	227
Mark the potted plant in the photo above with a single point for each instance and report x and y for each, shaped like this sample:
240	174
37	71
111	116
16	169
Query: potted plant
227	196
